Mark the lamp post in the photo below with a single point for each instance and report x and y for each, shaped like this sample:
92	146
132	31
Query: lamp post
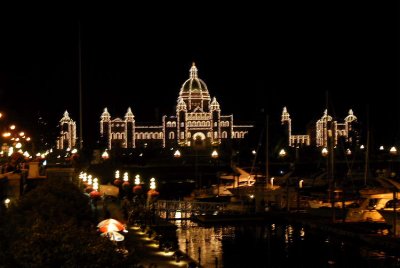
153	184
328	154
282	153
177	154
105	155
137	179
298	194
14	139
393	153
150	195
214	156
324	152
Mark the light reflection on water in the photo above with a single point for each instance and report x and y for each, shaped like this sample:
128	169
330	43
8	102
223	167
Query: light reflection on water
273	245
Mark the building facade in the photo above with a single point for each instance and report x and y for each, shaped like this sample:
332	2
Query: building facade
67	137
325	128
198	121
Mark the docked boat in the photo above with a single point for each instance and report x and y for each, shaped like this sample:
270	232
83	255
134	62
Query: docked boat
370	206
373	202
391	214
392	218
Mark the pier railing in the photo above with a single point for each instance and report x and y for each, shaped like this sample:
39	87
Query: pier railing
184	209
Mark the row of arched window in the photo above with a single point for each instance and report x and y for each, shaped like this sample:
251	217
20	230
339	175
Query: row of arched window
224	135
198	124
139	136
299	139
198	116
171	135
224	123
117	136
239	134
149	135
171	124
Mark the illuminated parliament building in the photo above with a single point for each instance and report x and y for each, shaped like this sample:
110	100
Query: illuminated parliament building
67	137
198	122
324	128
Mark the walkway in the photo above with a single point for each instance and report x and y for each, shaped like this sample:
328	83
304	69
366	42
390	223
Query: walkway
146	249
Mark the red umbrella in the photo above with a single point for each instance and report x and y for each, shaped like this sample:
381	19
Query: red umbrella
89	189
126	185
137	189
110	225
152	193
95	194
117	182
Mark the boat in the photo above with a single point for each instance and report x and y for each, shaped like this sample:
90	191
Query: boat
225	189
374	201
370	205
391	214
392	218
240	178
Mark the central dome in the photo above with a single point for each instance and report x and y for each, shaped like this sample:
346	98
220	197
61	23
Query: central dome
194	92
194	83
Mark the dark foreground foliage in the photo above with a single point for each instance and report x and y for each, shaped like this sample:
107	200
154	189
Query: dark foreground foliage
52	226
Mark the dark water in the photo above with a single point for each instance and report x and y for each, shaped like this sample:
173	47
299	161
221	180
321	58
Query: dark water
275	245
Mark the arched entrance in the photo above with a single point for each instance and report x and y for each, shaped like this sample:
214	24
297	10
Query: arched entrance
199	139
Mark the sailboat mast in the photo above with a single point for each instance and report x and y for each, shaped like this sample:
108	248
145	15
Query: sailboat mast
267	150
367	151
80	86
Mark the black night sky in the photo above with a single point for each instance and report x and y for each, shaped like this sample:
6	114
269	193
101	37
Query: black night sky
252	58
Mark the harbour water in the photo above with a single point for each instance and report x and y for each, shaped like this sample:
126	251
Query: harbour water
275	245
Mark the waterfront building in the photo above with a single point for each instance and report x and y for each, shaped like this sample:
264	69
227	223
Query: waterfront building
325	127
67	137
198	121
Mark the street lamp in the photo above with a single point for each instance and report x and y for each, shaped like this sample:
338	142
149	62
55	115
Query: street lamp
137	179
152	183
177	154
105	155
282	153
7	202
324	152
126	178
14	139
214	154
137	189
393	153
